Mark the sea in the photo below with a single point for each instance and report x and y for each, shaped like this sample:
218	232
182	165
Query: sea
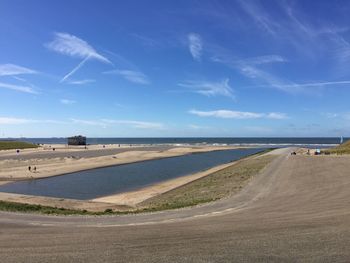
312	142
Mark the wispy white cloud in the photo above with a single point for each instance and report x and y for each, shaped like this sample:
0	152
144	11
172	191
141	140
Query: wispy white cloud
74	69
88	122
316	84
249	68
12	70
229	114
101	122
131	75
266	59
269	79
67	102
136	124
275	115
131	123
252	69
25	89
221	88
195	45
311	38
260	16
73	46
17	121
81	82
11	120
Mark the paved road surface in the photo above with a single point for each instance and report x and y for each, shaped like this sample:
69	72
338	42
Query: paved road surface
298	210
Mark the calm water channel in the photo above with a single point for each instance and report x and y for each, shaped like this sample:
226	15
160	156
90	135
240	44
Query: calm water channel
99	182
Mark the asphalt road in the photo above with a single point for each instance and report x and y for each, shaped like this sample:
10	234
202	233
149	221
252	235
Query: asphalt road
298	210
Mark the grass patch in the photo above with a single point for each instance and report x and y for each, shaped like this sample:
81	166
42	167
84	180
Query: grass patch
215	186
12	145
26	208
343	148
48	210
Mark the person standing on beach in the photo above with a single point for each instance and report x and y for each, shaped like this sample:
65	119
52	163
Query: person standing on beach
34	169
29	168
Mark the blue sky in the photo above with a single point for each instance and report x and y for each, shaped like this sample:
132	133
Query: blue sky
174	68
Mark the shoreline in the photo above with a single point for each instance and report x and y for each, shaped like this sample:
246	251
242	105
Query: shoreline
132	198
50	167
135	197
126	201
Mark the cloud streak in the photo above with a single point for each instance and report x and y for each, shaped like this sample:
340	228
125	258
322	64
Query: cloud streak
136	124
73	46
195	46
229	114
81	82
74	69
131	123
261	18
24	89
266	59
131	75
67	102
12	70
19	121
221	88
5	120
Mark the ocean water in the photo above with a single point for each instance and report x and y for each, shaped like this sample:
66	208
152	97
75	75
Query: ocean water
99	182
277	141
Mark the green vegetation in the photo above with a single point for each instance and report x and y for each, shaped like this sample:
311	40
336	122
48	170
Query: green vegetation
28	208
343	148
10	145
220	184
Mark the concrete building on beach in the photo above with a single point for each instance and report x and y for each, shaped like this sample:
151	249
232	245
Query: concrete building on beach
77	140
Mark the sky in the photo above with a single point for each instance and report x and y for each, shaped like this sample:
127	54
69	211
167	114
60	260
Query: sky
240	68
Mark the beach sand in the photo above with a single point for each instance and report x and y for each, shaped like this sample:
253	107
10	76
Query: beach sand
13	170
17	169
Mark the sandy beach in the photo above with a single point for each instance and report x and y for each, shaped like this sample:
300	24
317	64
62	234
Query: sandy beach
78	159
14	167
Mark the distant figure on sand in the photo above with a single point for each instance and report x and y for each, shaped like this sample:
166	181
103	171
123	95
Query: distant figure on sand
29	168
34	169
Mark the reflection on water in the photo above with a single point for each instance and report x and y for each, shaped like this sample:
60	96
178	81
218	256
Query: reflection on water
99	182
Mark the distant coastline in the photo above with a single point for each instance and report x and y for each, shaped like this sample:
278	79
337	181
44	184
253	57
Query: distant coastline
219	141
